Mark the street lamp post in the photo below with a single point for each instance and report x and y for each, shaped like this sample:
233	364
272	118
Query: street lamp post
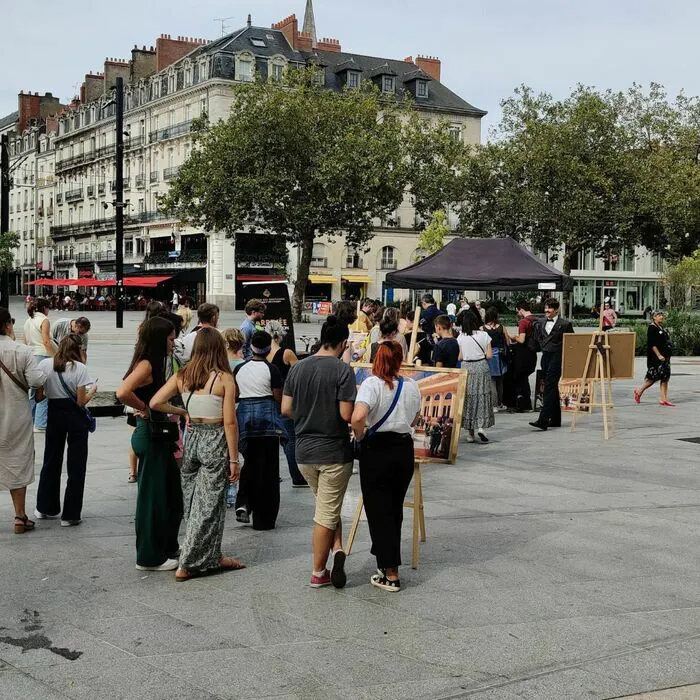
4	213
119	200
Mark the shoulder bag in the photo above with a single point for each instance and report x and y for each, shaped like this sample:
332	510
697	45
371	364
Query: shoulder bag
17	382
166	431
90	419
371	431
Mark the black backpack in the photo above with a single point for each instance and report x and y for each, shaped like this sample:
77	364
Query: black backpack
532	339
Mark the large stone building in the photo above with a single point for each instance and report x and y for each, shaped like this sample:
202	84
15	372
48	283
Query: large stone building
67	223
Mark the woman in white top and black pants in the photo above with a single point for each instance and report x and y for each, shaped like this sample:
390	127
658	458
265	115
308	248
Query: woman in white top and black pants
386	456
474	351
67	392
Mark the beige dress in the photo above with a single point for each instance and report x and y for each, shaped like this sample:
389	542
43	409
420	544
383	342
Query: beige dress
16	429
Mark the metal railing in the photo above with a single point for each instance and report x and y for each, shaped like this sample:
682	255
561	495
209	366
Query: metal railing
170	131
74	195
140	181
170	173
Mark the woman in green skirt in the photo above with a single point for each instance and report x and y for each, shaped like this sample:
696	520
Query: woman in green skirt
159	500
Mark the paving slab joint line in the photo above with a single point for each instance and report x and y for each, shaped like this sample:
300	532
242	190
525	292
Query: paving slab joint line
567	667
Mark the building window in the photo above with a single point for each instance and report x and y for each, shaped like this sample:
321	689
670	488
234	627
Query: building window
422	89
657	262
277	71
318	256
456	132
353	79
353	259
245	70
622	262
585	260
388	260
388	83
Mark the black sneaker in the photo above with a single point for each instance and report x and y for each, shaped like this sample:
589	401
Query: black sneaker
338	577
242	515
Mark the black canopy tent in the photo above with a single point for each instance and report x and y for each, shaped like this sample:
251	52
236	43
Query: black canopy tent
481	264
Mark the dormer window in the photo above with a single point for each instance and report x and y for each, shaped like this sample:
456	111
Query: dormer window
244	68
422	88
388	83
259	43
353	79
277	72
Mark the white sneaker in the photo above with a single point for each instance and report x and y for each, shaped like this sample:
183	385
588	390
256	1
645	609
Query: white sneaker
167	565
43	516
70	523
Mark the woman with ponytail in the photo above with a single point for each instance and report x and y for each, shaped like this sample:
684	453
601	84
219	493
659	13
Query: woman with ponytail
386	409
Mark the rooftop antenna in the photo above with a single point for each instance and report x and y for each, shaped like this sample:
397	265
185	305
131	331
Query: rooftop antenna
223	21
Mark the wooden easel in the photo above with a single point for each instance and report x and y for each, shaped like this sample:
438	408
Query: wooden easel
598	352
416	505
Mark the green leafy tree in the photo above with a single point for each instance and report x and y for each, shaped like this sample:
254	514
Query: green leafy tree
8	243
682	278
432	238
304	162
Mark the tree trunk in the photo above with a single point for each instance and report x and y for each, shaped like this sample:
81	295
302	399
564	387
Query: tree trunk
569	256
303	267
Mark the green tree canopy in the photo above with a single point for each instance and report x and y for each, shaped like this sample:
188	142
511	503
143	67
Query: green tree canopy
432	238
9	241
305	162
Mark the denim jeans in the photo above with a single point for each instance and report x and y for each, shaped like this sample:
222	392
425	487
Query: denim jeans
290	452
40	409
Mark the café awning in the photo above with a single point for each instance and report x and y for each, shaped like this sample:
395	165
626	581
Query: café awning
357	279
322	279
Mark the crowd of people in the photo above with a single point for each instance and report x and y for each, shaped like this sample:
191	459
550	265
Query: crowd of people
210	409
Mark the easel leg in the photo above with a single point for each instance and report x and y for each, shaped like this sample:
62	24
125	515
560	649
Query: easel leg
355	525
419	499
418	522
603	394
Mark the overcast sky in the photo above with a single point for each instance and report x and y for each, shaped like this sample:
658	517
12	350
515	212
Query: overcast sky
487	48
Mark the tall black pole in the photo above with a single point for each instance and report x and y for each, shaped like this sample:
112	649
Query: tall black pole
4	213
119	202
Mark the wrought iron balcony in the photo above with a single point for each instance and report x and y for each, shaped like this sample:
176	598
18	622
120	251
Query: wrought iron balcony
74	195
170	131
140	181
170	173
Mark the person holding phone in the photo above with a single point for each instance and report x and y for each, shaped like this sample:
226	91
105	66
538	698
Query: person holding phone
67	391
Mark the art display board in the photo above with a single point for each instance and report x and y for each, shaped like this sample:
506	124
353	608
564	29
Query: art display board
621	355
442	389
278	307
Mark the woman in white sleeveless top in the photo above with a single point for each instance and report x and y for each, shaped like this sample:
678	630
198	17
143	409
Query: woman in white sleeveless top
37	336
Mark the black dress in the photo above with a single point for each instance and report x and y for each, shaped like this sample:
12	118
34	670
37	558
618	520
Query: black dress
659	338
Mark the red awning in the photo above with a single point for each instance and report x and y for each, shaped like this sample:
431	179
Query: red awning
259	278
145	281
50	282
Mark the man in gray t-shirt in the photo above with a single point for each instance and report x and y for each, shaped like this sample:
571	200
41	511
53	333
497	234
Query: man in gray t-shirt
319	394
77	326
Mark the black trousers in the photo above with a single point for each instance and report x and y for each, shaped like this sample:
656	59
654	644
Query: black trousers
551	407
386	470
66	425
259	484
525	364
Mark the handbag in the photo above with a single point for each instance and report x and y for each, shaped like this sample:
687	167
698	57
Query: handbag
163	431
17	382
91	422
371	431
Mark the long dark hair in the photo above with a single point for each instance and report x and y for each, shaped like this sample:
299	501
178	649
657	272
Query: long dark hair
470	322
152	346
40	305
68	351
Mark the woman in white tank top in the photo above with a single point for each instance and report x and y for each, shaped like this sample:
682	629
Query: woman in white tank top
37	336
211	460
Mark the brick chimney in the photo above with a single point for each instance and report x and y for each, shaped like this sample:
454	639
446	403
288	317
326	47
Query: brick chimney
93	87
115	68
289	26
303	41
430	65
143	63
48	104
169	50
29	107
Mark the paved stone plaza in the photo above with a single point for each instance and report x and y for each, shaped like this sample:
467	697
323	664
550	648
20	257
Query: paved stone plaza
556	566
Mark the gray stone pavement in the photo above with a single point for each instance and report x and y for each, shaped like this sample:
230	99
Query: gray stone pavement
557	566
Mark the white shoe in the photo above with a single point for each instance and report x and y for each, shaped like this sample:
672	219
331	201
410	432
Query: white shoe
43	516
167	565
495	409
70	523
482	435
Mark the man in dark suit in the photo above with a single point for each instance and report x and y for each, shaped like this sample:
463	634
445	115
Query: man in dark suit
551	337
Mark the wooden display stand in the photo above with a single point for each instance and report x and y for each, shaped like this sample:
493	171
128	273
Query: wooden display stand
416	505
599	354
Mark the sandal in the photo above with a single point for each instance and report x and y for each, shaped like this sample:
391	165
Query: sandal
386	584
183	575
229	564
23	524
637	396
132	478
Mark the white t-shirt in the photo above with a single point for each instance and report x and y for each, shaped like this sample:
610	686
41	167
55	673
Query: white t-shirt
256	379
75	376
375	393
469	350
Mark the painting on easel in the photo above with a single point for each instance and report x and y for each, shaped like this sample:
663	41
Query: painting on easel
436	437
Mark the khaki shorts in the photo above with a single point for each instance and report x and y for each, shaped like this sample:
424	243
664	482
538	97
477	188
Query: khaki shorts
329	483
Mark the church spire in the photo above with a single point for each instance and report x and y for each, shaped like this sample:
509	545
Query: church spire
310	23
